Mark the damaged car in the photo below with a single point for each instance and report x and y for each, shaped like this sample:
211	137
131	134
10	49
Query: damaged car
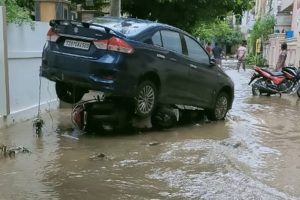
143	63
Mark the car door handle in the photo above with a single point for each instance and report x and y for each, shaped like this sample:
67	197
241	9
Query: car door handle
193	66
173	59
160	56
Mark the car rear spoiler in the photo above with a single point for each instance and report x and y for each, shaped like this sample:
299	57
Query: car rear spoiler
56	22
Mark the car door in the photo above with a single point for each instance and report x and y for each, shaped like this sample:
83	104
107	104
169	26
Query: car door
203	75
173	73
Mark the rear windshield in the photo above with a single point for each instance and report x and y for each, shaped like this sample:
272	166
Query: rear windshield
128	27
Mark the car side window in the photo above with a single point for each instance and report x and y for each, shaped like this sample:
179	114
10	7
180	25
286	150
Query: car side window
195	51
156	39
171	40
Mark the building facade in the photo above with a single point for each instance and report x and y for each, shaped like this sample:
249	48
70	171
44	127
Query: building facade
286	30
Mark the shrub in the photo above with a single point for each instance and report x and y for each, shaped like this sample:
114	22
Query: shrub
258	60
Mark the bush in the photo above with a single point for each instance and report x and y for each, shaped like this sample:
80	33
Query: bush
15	13
258	60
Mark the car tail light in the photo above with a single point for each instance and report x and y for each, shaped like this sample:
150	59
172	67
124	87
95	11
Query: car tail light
52	35
114	44
101	44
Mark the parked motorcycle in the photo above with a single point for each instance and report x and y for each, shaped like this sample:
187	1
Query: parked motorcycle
267	82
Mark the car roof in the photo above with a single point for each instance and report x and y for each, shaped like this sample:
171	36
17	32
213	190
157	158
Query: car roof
129	27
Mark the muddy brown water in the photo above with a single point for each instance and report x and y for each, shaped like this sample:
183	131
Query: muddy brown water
253	154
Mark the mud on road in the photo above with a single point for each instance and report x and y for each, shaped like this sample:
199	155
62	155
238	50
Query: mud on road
253	154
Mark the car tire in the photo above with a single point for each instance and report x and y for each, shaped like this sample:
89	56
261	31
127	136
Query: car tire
145	99
220	108
68	93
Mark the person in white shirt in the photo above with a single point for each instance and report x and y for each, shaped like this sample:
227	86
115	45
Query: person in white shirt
241	56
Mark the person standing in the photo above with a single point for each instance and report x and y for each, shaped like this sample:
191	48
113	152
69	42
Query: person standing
282	57
217	53
241	56
209	49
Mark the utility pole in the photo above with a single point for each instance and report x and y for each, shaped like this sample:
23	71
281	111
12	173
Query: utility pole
115	8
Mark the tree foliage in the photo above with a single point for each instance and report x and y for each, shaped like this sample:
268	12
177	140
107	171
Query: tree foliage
183	13
262	28
15	13
218	30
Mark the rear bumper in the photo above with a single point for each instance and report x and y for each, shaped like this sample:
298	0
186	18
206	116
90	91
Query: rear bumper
85	81
90	74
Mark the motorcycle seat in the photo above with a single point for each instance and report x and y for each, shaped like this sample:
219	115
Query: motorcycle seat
277	73
273	73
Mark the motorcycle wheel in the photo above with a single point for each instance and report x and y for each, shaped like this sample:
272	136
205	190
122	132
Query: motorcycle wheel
68	93
298	92
255	91
163	118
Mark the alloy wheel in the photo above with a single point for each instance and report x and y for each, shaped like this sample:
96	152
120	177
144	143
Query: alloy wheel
221	107
146	100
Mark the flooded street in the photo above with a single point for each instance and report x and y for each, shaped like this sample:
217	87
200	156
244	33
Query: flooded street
253	154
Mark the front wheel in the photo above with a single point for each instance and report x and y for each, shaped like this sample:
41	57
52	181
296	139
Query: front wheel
221	107
68	93
163	118
255	90
145	99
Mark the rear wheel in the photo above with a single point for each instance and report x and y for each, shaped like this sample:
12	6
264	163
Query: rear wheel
298	92
145	99
221	107
68	93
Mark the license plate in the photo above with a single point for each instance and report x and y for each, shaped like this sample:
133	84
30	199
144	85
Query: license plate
77	44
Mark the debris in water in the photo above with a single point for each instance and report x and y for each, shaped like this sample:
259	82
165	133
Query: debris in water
11	152
232	144
69	136
153	143
236	145
98	156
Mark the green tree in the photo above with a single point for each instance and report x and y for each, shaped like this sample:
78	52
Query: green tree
218	30
261	29
15	13
184	13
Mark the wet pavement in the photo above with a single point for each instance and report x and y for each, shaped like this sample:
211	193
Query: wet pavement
253	154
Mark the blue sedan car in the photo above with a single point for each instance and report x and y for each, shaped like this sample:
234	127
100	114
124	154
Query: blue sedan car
140	62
